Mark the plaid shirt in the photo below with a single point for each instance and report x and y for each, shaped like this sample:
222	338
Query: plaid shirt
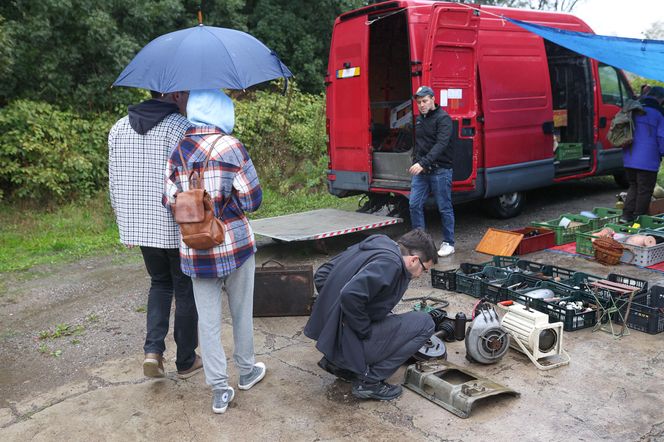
230	173
136	181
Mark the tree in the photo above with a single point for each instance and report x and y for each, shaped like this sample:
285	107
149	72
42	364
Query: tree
655	31
544	5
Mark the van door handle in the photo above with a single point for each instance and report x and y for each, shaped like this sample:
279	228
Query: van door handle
547	127
602	122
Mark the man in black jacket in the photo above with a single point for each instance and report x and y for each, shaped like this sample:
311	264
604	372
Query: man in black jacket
361	341
432	168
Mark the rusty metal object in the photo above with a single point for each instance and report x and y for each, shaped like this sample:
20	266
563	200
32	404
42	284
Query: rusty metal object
283	290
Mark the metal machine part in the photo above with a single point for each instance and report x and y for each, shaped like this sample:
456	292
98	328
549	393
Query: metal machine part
434	348
447	328
533	336
486	341
452	387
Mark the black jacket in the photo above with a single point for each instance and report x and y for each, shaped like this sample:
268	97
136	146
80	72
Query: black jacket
357	287
433	134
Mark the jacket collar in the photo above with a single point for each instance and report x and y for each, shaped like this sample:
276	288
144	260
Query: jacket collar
203	130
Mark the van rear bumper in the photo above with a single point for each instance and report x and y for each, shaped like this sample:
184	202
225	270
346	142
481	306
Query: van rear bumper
342	181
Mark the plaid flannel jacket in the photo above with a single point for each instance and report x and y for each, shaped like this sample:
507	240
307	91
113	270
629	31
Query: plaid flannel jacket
136	181
229	174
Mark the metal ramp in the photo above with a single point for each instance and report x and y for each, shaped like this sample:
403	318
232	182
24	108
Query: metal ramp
318	224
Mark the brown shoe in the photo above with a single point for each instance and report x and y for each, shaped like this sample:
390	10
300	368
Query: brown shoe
195	368
153	365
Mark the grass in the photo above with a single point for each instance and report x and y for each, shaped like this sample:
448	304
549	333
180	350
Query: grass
31	237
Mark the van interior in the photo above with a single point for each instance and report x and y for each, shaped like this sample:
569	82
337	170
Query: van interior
390	74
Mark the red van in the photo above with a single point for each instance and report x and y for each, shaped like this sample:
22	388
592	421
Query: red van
527	113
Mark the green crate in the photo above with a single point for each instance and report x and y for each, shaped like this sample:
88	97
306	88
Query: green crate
474	284
584	243
605	215
569	151
648	222
504	262
563	235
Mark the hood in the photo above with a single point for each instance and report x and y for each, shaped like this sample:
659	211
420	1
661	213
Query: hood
382	242
653	103
146	115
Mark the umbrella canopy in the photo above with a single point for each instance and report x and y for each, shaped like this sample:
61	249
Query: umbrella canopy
202	57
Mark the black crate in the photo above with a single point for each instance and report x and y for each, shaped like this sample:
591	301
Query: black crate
444	279
517	283
647	312
607	297
504	262
522	297
474	284
572	320
545	271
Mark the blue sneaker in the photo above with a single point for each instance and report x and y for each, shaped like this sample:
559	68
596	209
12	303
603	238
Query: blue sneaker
221	399
254	377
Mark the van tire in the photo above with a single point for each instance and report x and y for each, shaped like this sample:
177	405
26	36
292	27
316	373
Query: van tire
621	179
507	205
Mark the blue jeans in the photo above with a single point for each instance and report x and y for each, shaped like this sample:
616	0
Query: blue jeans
166	279
439	183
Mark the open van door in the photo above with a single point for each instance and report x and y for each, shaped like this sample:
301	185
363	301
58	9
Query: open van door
450	68
348	106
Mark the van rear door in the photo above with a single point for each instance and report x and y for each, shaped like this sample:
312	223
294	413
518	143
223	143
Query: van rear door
348	106
450	68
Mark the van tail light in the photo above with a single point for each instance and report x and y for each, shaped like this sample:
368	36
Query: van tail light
331	177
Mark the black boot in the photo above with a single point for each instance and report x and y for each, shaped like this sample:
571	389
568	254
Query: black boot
381	391
341	373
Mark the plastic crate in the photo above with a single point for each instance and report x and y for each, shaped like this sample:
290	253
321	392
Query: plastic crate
569	151
474	284
565	235
544	271
543	239
584	240
444	279
648	316
605	215
642	256
572	320
521	295
648	222
503	262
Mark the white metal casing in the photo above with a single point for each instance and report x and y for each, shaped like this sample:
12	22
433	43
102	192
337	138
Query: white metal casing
526	325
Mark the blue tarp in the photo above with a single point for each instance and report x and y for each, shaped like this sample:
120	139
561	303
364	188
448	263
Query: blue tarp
641	57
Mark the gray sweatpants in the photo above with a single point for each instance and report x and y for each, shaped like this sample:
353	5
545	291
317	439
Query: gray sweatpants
239	287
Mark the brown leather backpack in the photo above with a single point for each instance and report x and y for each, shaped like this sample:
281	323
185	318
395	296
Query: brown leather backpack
194	211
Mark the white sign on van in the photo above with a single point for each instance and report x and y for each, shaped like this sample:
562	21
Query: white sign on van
454	94
443	97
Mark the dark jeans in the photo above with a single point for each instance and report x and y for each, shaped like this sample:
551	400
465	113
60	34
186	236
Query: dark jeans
641	185
167	279
439	183
393	341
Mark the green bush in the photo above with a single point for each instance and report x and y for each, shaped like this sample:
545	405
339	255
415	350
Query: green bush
47	154
285	136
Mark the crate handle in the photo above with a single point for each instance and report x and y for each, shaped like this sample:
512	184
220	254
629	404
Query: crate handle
273	261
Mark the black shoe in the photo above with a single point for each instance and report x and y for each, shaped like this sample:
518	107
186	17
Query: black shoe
381	391
341	373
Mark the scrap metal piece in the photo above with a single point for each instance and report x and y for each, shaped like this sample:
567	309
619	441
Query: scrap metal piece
450	386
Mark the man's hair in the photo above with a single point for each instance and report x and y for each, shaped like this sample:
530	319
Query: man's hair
656	92
418	242
156	94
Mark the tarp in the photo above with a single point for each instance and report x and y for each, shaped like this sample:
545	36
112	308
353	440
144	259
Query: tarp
641	57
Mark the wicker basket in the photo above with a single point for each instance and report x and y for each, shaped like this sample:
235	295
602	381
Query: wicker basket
607	251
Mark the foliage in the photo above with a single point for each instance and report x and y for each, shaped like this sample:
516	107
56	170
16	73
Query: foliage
32	236
543	5
655	31
51	155
285	136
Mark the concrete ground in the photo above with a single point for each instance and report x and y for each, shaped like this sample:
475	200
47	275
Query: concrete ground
611	390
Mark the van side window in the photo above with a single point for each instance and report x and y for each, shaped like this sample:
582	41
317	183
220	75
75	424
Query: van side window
613	89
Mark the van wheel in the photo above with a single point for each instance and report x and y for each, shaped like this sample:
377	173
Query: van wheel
621	179
507	205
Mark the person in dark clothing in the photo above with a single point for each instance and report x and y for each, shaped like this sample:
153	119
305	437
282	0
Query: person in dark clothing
361	340
643	157
432	168
139	145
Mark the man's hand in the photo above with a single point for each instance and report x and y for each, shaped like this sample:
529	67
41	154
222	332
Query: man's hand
129	246
416	169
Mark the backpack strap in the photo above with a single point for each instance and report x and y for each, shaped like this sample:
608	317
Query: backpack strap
201	177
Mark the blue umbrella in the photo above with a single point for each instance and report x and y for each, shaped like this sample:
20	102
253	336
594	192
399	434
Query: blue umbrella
202	57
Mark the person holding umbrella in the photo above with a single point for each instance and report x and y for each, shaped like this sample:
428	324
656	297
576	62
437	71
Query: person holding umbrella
230	179
138	147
